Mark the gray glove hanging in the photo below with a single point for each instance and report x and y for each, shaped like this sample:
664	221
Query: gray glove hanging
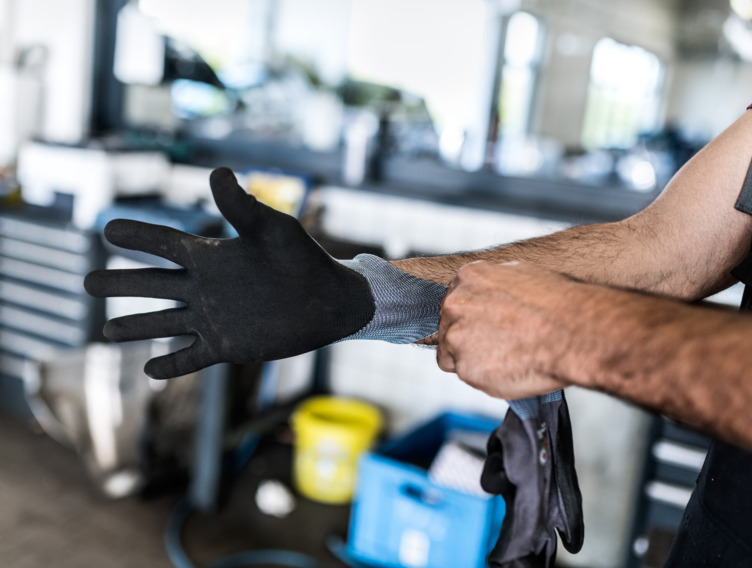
531	464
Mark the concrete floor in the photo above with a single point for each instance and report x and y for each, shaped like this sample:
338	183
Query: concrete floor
52	515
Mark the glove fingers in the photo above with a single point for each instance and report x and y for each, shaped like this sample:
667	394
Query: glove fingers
188	360
235	204
514	468
141	282
158	240
166	323
493	478
568	488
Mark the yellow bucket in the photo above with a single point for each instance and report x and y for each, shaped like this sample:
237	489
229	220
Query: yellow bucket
330	435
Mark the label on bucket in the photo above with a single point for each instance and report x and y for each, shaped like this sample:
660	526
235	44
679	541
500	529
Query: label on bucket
331	457
327	471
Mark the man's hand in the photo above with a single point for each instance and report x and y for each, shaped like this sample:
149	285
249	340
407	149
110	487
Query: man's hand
499	329
270	293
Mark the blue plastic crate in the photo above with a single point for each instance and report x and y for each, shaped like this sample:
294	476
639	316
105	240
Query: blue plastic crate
400	518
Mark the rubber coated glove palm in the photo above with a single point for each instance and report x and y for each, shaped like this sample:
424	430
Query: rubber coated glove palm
270	293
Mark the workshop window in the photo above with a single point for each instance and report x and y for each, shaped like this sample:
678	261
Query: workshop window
434	50
623	95
522	56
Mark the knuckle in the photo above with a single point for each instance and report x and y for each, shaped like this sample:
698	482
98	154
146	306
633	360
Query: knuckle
447	315
449	304
450	341
468	271
478	267
474	275
465	372
445	360
455	302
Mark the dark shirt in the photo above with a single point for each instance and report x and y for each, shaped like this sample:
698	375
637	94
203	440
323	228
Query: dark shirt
716	530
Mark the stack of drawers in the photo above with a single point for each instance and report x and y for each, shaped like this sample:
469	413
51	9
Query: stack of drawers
43	305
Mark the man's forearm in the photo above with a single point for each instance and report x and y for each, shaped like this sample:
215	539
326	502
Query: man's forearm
685	361
631	254
603	254
608	254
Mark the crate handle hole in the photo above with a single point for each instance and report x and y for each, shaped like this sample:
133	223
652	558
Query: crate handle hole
426	496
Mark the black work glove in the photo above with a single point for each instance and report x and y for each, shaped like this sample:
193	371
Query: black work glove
531	464
270	293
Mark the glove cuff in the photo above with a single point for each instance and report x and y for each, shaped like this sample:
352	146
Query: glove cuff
407	307
527	408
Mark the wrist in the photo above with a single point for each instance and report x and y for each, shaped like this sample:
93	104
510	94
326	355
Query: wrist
438	269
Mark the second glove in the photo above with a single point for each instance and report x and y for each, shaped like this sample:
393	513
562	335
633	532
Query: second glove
531	464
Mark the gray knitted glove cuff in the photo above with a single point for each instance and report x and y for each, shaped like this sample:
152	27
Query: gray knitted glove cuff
407	307
527	408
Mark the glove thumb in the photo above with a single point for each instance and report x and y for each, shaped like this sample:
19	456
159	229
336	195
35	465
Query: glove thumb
568	495
235	204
